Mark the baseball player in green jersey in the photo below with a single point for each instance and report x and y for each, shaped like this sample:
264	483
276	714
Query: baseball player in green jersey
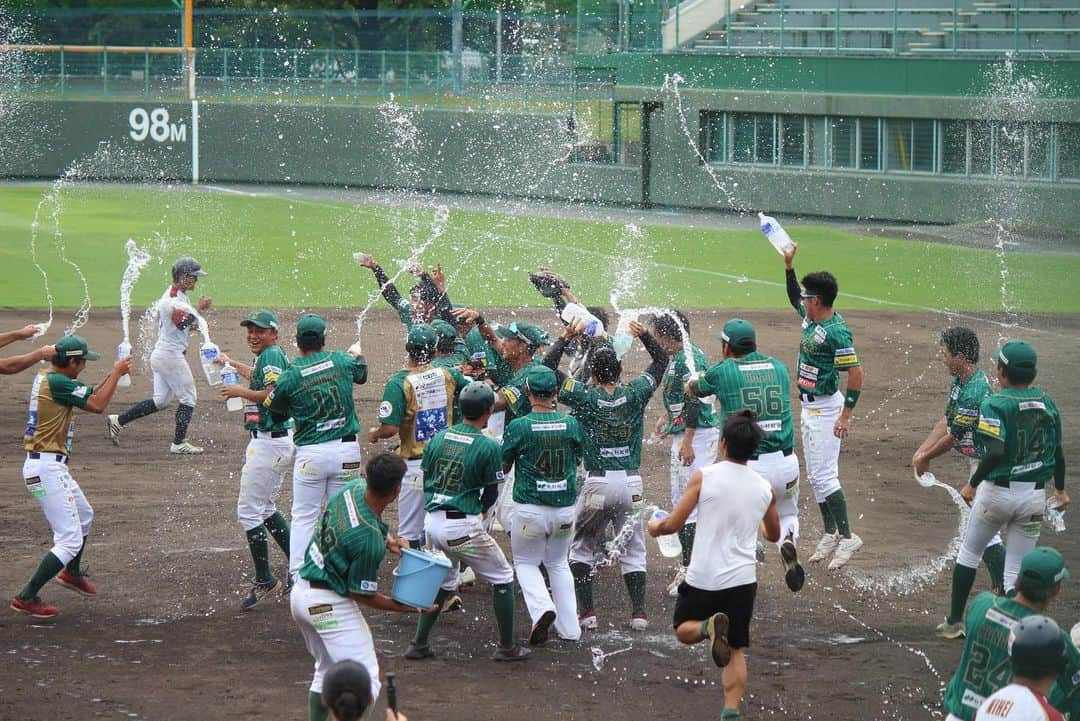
543	447
1019	432
417	403
554	286
462	473
269	452
689	421
316	391
425	302
341	571
956	429
826	349
984	665
15	364
612	417
747	379
1038	652
50	430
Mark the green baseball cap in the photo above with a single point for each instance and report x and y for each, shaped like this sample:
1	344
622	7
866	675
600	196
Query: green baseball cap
443	329
527	333
739	334
1042	568
421	335
74	346
311	324
261	319
541	379
1019	357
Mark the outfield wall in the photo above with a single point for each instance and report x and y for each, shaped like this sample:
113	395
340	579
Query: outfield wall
512	154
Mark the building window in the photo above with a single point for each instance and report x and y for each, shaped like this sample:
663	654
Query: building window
1038	150
981	148
793	140
910	145
817	141
954	146
869	141
712	136
845	146
1068	151
753	138
627	133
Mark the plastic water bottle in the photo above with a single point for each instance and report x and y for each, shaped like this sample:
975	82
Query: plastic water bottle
123	351
361	258
669	544
208	353
1055	516
776	234
576	311
622	340
41	328
230	377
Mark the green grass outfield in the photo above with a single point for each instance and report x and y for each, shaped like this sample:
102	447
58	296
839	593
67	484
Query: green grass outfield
282	251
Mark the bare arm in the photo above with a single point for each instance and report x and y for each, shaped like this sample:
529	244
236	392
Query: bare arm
17	363
385	603
939	442
99	399
24	333
771	521
687	502
383	430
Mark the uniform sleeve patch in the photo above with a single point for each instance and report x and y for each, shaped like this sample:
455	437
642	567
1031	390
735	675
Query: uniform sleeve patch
990	426
845	357
370	586
79	392
385	409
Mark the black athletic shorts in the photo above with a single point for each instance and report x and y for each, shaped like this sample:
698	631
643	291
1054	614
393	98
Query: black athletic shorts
736	602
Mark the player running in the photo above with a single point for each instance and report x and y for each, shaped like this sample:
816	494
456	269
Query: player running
826	349
462	472
1020	433
747	379
50	430
269	452
176	320
316	391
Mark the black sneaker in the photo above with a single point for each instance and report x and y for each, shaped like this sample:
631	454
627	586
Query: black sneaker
717	632
417	652
517	652
258	592
794	575
539	634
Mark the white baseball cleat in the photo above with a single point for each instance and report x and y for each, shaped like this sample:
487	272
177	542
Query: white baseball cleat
114	429
844	551
467	577
673	587
950	631
825	547
185	449
588	622
639	622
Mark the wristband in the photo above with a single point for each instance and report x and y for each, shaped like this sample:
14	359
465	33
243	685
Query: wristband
851	398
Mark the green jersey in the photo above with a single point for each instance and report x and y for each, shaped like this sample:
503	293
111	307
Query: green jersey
984	664
962	409
50	421
316	390
760	383
1027	422
348	544
513	392
265	371
675	379
482	355
826	349
458	463
544	449
419	401
613	423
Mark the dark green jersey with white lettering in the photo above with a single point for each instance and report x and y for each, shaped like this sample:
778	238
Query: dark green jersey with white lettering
1027	422
826	349
458	463
517	403
316	390
962	409
760	383
675	379
544	449
613	423
348	544
265	371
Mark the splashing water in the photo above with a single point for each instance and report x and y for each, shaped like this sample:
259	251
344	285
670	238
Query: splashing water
616	547
137	260
599	657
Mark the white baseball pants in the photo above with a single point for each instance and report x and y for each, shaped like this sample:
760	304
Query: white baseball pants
782	473
410	502
266	462
821	448
1018	509
334	630
705	444
464	539
542	534
610	498
172	379
62	501
319	471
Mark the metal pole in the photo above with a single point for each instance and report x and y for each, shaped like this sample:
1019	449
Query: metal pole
836	39
1016	25
498	46
105	71
189	46
63	77
954	29
896	26
146	72
455	44
782	25
225	70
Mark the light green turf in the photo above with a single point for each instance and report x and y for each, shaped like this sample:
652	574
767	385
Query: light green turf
279	252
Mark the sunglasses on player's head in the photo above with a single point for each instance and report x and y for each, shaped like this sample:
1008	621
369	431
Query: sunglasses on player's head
804	295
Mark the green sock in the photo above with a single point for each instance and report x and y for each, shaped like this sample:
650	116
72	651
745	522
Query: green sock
686	538
582	586
260	554
315	710
427	620
994	558
963	578
838	506
729	714
827	517
503	594
635	584
46	570
74	565
705	628
279	529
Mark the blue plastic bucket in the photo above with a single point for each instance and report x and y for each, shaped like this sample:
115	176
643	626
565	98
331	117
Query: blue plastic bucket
418	577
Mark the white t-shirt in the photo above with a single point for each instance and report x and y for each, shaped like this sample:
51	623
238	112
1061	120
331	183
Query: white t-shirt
169	337
732	503
1017	703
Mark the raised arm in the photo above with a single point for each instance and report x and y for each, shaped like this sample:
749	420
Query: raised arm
656	352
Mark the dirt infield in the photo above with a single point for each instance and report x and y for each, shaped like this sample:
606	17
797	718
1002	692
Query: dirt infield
164	639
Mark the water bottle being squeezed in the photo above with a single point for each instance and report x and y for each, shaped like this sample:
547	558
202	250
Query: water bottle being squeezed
209	353
776	234
230	377
669	544
123	351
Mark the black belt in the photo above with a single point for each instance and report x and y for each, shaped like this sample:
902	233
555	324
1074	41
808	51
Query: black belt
60	457
807	397
351	438
273	434
321	585
1004	483
787	452
456	514
604	472
415	458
